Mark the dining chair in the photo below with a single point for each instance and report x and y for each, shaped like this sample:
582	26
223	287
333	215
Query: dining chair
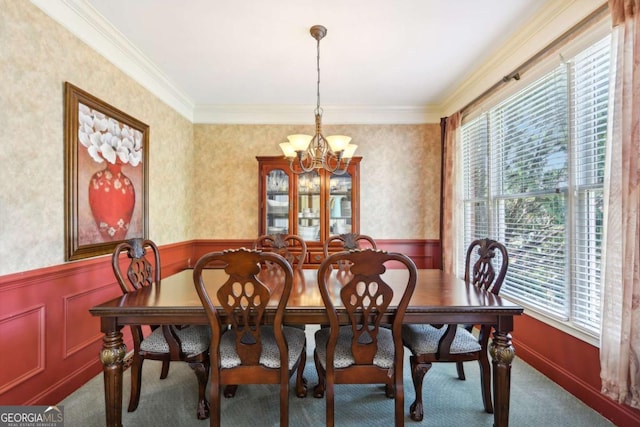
257	348
486	265
362	351
165	343
345	242
292	247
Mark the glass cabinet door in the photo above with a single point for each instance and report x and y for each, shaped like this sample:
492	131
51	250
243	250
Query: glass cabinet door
308	207
277	209
340	204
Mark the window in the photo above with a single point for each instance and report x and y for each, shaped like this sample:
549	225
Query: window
533	172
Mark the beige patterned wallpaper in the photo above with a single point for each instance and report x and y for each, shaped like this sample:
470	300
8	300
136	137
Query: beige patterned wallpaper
202	178
37	56
399	185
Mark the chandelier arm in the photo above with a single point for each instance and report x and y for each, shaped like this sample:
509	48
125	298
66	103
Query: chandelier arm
337	169
340	171
301	167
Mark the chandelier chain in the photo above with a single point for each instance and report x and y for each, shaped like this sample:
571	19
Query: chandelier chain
318	110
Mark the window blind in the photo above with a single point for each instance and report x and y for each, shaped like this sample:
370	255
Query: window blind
532	178
591	71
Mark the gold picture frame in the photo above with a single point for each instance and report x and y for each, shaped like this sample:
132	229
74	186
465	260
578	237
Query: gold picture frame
106	175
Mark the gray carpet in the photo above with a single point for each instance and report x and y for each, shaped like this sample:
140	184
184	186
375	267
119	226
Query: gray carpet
535	401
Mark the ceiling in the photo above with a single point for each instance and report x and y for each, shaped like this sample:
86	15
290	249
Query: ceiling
257	54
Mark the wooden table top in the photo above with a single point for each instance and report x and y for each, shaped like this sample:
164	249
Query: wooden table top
438	298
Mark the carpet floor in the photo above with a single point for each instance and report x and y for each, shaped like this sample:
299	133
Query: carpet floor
535	401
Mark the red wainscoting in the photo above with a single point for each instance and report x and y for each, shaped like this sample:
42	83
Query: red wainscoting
49	341
571	363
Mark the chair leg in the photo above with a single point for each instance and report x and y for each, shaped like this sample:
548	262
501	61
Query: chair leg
301	382
165	369
284	404
418	371
389	391
201	370
214	400
330	403
230	390
485	382
136	381
399	400
318	390
460	369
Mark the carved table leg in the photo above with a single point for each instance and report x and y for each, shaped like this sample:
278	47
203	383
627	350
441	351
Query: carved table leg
111	356
502	354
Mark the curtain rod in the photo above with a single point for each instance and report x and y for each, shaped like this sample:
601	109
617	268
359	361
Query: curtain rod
595	16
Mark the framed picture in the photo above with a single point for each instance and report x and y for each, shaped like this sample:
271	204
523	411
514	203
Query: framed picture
106	175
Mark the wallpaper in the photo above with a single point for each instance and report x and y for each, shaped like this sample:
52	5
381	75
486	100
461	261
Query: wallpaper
399	177
36	58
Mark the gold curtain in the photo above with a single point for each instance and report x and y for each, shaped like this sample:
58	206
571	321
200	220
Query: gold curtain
450	195
620	336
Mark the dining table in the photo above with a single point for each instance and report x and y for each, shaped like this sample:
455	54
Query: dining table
439	298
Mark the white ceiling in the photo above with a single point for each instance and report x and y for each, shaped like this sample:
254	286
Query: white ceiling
253	54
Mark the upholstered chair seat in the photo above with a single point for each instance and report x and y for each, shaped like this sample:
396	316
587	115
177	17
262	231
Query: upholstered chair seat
343	356
422	339
270	356
193	340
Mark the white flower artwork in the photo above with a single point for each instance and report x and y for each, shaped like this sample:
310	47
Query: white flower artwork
107	139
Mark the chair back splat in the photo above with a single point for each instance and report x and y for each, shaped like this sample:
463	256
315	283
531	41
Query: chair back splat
249	343
363	351
481	257
347	242
292	247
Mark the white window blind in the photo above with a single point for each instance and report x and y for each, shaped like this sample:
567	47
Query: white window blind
591	94
532	178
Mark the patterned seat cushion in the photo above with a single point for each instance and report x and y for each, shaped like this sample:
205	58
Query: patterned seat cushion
344	357
194	339
270	356
424	339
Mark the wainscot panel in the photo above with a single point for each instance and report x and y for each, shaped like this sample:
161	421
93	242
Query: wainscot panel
45	319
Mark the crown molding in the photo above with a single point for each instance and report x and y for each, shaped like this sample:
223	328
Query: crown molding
549	23
298	114
81	19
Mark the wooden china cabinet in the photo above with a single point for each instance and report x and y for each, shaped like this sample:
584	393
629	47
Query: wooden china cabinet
313	205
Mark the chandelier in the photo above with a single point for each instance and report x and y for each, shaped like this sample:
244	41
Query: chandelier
306	152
